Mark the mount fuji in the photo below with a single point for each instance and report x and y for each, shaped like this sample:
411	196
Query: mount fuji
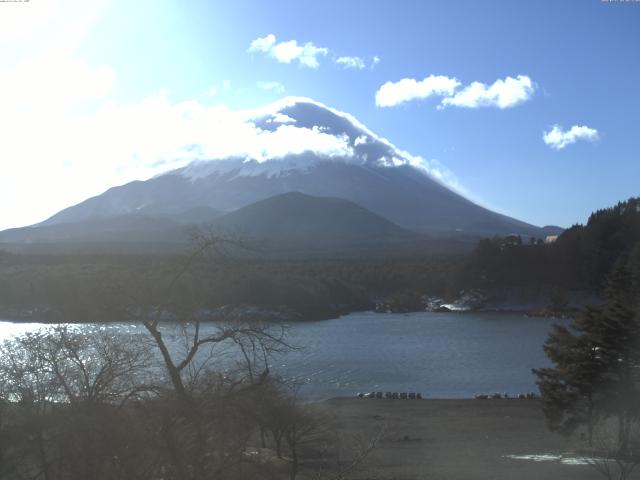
303	146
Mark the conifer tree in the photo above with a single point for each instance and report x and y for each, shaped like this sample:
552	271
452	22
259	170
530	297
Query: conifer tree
596	371
571	391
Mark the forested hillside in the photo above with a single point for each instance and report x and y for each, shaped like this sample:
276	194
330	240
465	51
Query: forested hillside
580	258
82	288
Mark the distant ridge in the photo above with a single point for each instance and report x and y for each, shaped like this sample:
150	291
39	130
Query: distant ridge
295	216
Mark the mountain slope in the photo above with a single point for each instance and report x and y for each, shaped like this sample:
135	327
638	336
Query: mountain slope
123	228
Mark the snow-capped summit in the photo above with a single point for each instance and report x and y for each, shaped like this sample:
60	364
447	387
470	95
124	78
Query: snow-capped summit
294	134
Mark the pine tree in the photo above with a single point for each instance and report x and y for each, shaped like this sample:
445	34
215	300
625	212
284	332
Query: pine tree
618	336
571	391
596	371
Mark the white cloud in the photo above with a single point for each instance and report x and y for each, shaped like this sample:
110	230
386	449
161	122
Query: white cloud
441	173
292	140
286	52
276	87
502	93
263	44
391	94
306	55
351	62
281	118
177	133
558	139
361	140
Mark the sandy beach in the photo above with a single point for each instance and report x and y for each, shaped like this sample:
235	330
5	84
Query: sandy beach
457	439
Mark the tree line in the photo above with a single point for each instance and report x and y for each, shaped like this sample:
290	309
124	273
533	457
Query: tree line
82	288
582	257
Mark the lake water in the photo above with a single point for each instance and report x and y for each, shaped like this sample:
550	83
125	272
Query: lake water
442	355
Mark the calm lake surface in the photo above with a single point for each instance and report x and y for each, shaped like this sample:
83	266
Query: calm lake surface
442	355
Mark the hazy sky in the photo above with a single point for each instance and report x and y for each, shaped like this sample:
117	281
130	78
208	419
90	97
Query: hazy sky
533	107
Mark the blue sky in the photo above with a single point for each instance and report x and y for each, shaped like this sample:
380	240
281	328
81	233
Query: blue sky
84	85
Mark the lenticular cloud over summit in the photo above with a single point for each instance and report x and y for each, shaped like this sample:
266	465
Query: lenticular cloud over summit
216	138
187	131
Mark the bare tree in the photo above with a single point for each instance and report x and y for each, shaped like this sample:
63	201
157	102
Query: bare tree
608	457
201	431
360	451
256	342
64	390
306	434
305	426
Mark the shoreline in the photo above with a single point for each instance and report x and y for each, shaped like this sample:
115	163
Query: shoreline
26	316
425	399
